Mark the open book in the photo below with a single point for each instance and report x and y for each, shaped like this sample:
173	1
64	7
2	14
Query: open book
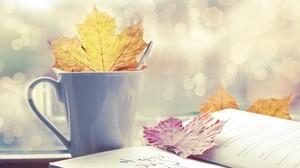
131	157
247	140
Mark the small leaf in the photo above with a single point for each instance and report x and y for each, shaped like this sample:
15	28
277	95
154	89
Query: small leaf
272	107
193	139
219	101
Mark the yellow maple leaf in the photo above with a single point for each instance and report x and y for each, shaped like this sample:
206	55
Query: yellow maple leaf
99	47
272	107
219	101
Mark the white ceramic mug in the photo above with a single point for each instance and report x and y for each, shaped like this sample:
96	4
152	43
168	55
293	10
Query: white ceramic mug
100	108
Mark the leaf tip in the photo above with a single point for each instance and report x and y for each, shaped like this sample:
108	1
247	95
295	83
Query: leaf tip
95	7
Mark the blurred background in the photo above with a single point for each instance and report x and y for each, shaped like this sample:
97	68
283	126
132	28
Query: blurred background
249	47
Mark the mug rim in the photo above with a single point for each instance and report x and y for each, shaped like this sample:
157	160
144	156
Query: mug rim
99	72
58	71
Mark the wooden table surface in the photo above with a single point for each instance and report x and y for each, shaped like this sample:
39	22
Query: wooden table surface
30	160
27	163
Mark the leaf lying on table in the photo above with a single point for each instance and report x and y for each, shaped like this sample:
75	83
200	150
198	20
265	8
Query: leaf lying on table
99	47
219	101
193	139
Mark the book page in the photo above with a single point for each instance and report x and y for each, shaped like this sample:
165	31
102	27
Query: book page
133	157
253	140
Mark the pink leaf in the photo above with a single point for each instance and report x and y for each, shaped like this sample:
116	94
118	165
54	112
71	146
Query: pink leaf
193	139
162	135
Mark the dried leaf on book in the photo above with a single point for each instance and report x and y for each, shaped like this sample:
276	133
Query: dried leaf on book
193	139
99	47
272	107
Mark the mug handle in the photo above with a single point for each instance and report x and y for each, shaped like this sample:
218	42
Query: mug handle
57	87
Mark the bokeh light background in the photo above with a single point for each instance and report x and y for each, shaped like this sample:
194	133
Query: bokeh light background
251	47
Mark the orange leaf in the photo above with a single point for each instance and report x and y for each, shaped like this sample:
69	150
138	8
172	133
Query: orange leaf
99	47
219	101
131	49
272	107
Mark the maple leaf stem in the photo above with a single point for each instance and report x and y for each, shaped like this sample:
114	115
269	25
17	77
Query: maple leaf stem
103	67
102	60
